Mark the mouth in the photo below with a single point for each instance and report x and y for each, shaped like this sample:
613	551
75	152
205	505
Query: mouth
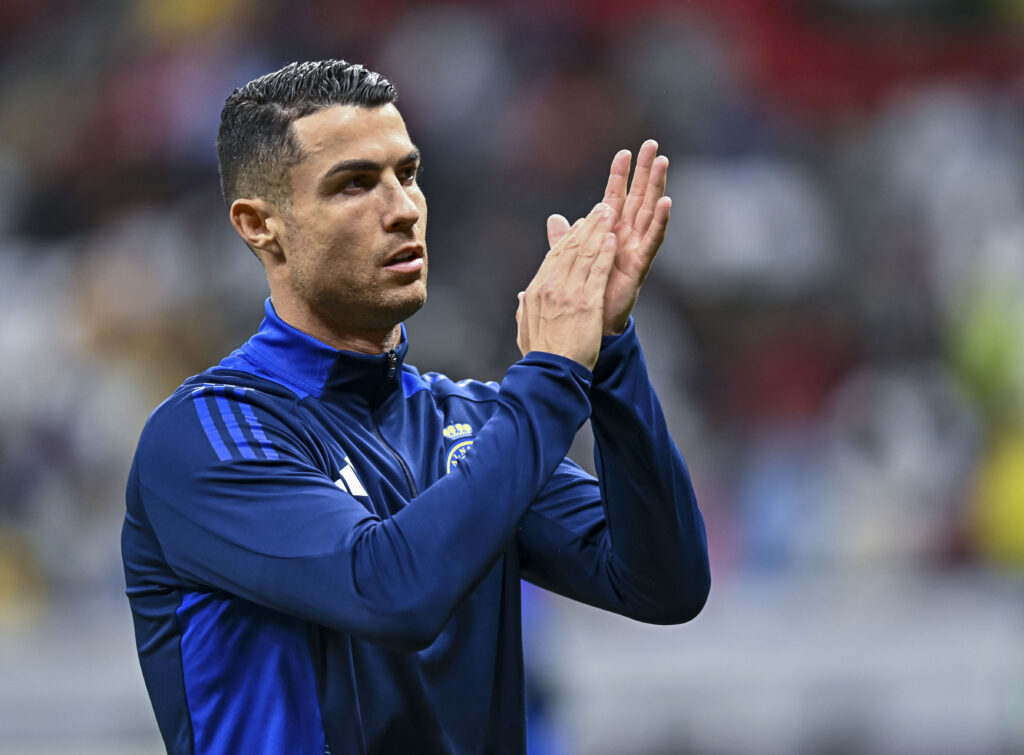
406	259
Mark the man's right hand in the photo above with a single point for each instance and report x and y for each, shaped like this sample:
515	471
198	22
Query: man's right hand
561	311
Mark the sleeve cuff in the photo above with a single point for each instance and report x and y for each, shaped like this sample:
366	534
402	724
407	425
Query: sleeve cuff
556	360
615	349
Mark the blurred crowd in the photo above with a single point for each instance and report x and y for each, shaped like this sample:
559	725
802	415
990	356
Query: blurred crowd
835	324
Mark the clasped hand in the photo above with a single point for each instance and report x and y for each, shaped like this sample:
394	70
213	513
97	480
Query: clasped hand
589	280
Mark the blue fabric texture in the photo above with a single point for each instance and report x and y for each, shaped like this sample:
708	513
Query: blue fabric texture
323	549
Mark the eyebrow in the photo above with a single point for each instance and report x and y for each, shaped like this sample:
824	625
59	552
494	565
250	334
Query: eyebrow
359	165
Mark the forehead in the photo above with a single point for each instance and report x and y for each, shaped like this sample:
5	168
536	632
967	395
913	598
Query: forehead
351	132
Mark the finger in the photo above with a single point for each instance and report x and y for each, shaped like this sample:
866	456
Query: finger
560	259
601	268
580	235
655	191
566	237
555	252
655	234
615	191
558	226
638	187
591	245
522	340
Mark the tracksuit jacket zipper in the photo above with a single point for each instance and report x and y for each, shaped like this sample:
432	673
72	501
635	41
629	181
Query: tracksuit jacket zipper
392	359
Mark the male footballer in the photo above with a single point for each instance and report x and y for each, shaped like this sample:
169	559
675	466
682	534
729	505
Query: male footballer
323	546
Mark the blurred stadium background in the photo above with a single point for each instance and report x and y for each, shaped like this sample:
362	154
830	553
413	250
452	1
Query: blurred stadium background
836	327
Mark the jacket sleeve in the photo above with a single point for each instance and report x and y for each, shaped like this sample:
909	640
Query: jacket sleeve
634	542
275	530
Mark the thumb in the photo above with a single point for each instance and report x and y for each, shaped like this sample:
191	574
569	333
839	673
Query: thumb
558	226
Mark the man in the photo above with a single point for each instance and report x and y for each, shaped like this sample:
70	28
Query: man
323	547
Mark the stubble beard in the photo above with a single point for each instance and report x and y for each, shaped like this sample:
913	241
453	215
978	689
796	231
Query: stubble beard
355	308
349	307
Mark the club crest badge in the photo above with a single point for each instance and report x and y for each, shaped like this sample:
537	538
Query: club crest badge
456	453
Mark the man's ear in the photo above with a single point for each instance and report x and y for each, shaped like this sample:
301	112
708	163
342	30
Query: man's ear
258	222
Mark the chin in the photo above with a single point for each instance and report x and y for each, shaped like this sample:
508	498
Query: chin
398	306
412	303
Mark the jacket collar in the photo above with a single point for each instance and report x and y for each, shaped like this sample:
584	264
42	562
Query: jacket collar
312	368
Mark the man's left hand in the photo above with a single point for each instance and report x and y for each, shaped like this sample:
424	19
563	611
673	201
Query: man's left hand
643	215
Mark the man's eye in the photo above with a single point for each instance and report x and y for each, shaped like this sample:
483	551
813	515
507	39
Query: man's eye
356	183
409	174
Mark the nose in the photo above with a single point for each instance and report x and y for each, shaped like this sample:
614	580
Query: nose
402	212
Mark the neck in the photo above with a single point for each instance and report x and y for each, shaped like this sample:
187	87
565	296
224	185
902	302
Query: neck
360	340
363	343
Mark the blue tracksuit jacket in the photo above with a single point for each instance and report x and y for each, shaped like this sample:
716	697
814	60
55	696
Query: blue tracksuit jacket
323	549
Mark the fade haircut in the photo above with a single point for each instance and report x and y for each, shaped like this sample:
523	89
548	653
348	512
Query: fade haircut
256	144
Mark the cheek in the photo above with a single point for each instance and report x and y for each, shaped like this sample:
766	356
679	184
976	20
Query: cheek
327	241
421	205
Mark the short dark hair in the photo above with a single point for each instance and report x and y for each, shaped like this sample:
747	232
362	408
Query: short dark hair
256	144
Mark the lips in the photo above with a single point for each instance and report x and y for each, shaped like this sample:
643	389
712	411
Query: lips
406	259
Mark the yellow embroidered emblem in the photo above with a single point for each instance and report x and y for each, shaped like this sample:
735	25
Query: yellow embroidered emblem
457	430
456	453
